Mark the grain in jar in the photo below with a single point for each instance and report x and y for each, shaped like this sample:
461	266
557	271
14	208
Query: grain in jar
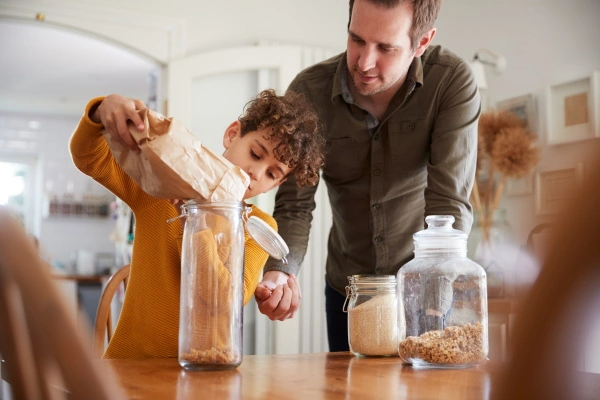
372	315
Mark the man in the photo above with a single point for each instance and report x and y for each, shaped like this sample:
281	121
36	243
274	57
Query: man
400	120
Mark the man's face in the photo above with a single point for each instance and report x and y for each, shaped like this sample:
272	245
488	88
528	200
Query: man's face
379	47
254	154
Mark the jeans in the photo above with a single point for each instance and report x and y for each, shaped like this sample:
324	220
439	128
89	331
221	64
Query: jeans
337	320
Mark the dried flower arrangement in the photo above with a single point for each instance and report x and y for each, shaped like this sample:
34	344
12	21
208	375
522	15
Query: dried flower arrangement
506	149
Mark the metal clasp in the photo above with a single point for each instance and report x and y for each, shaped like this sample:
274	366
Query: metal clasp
184	213
349	295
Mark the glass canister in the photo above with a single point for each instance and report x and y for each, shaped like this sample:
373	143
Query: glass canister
372	307
444	296
212	286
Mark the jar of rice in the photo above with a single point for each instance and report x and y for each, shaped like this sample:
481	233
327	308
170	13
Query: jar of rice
372	307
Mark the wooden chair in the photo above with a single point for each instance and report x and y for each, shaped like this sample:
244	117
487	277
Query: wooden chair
103	328
45	354
553	321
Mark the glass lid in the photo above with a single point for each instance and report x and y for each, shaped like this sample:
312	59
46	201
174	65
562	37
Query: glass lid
267	238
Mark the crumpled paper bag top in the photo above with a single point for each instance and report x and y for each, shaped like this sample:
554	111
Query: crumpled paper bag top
173	164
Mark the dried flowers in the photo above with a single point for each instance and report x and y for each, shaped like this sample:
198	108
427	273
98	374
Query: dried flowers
506	149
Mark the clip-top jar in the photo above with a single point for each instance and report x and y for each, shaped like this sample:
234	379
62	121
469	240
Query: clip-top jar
212	286
445	300
372	315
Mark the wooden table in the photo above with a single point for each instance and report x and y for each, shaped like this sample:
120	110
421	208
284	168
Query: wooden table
302	376
315	376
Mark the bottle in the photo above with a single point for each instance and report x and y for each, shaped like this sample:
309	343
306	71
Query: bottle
212	281
444	297
372	315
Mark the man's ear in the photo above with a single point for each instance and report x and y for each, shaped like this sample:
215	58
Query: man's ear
425	42
233	130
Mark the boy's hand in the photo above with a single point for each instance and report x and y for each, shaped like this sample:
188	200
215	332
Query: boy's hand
278	295
115	112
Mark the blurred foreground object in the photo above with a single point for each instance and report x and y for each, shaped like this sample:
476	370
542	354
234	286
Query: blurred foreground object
45	355
552	327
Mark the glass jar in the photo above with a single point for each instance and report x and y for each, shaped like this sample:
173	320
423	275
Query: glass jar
493	249
372	315
212	286
212	280
444	296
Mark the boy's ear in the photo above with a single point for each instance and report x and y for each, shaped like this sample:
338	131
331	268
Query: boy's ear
276	185
281	181
233	130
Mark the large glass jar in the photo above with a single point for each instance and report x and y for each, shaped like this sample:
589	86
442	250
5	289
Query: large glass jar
372	306
444	296
212	286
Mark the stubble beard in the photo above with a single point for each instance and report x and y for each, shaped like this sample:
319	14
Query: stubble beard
365	91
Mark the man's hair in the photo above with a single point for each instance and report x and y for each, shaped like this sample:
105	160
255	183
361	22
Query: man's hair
294	122
424	15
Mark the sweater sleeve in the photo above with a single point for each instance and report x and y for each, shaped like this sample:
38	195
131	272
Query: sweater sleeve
92	156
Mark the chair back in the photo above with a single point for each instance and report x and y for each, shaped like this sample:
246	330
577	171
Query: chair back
45	354
103	327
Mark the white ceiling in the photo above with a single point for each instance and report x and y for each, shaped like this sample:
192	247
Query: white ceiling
48	70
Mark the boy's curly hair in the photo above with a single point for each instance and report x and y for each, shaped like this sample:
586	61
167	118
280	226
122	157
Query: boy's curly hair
293	121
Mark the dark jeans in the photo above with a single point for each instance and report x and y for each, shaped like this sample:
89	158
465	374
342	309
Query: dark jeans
337	320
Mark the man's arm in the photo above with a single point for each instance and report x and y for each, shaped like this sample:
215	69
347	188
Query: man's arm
453	158
293	213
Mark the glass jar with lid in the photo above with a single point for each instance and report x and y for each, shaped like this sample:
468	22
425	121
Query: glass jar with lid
372	307
212	281
444	297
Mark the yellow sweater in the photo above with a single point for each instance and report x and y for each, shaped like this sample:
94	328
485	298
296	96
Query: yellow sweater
149	321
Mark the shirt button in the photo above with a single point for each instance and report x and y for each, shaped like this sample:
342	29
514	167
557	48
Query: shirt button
377	172
378	239
376	137
376	206
411	126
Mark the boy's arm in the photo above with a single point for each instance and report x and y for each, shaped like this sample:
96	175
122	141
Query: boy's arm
91	155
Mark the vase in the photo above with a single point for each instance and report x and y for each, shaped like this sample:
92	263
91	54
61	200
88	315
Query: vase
491	250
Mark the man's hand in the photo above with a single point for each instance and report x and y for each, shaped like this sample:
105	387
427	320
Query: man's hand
278	295
115	112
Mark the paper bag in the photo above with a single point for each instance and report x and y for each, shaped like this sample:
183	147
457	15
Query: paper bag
173	164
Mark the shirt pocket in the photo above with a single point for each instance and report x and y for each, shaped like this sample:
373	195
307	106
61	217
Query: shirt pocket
347	159
409	146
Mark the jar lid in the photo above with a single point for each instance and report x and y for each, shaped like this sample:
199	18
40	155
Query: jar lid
267	238
440	234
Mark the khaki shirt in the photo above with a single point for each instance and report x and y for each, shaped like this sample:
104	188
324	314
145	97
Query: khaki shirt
384	177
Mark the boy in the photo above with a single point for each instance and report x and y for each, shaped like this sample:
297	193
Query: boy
277	137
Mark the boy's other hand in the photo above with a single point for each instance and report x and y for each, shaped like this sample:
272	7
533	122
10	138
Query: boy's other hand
278	295
115	112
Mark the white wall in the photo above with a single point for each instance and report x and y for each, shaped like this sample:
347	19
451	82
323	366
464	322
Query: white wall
545	42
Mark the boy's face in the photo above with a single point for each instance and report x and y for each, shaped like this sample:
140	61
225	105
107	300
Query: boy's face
254	154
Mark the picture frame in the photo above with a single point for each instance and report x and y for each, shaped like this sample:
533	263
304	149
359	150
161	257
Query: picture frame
520	186
554	186
572	110
524	107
